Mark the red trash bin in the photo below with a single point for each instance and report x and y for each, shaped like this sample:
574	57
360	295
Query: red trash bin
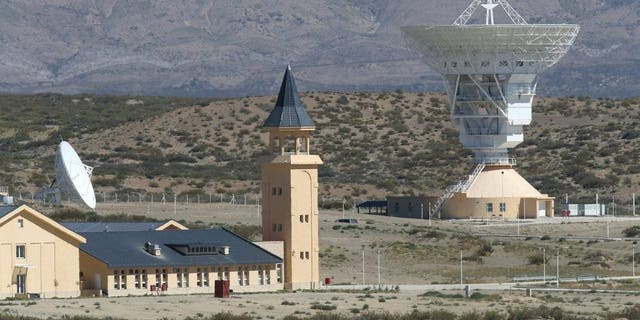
221	289
327	281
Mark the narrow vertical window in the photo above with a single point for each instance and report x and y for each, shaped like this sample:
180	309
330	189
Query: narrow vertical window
240	282
279	272
144	279
21	251
205	281
306	218
116	279
20	223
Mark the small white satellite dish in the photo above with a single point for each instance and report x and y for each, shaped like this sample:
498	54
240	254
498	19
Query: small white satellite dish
73	177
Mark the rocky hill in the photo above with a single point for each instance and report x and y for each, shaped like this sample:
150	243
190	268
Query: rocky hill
238	48
373	144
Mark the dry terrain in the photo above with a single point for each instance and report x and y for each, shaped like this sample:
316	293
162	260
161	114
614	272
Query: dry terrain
372	144
412	253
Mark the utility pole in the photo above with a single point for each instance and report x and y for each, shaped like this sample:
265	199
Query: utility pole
429	208
608	222
175	205
421	211
633	204
544	265
363	282
461	282
343	200
558	268
633	258
379	278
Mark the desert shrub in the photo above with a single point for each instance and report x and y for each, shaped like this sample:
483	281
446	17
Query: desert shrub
324	307
631	232
536	259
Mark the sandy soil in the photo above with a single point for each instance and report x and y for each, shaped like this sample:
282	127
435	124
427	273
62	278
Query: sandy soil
270	305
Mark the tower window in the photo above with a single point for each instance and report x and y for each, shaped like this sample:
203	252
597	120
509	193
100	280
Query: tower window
279	191
279	227
20	223
306	255
301	218
489	207
301	255
306	218
20	251
273	191
503	207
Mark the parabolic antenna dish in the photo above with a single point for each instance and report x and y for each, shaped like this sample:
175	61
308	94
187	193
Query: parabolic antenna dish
481	49
74	177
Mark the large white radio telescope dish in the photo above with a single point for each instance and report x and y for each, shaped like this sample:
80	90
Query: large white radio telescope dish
74	177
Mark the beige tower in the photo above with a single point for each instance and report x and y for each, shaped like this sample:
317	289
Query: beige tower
290	188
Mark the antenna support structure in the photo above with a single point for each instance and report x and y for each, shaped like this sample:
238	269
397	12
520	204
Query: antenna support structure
491	73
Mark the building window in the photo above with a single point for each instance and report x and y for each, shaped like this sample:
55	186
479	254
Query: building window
246	276
306	218
219	273
165	276
144	279
205	277
198	277
279	227
273	191
227	274
301	218
185	278
503	207
279	191
260	276
158	278
489	207
116	279
179	277
267	276
123	280
136	279
301	254
279	272
21	251
306	255
240	274
20	223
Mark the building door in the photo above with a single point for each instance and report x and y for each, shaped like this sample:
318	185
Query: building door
21	281
542	208
97	281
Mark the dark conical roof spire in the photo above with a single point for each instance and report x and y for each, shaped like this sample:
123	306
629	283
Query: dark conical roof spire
289	111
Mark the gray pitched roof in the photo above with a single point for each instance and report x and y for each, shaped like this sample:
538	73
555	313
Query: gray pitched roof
289	111
4	210
111	226
126	249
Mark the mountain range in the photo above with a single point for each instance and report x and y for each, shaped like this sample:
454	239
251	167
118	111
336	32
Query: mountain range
227	48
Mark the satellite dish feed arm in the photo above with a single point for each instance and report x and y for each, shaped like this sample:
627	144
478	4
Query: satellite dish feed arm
467	13
88	169
511	12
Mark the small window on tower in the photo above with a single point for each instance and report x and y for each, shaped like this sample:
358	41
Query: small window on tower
301	255
301	218
20	223
279	191
306	218
279	227
306	255
274	227
273	191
